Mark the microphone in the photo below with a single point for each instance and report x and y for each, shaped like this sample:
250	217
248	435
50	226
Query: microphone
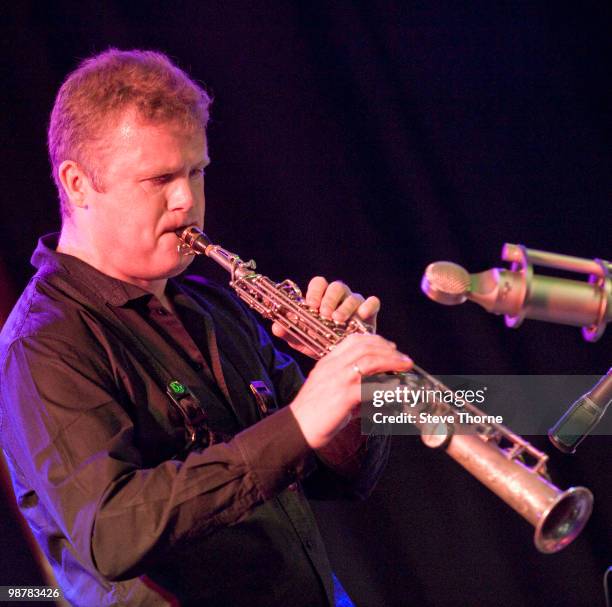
519	293
582	416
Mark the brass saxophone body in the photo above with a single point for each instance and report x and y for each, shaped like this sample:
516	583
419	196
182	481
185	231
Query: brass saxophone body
490	452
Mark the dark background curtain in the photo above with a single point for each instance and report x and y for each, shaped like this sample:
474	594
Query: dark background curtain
362	141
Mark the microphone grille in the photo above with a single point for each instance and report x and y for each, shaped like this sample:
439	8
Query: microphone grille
446	282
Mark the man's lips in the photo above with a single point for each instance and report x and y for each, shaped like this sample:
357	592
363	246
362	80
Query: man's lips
179	229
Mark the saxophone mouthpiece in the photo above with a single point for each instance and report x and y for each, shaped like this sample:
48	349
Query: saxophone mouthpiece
192	238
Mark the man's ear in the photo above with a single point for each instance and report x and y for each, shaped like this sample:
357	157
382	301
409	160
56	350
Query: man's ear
75	182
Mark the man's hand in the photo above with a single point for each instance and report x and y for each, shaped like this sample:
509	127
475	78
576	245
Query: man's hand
333	388
336	302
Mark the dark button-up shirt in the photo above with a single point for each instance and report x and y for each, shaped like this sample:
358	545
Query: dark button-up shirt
125	514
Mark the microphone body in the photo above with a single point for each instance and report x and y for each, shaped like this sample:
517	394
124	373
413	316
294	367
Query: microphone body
548	298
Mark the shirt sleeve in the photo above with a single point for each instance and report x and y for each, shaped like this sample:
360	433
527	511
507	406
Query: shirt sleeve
351	464
74	442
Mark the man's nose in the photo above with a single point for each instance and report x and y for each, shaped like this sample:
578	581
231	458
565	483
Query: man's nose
182	196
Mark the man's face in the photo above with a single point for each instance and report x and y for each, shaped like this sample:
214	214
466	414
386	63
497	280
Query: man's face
153	182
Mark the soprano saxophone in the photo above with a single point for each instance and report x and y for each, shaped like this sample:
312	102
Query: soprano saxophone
490	452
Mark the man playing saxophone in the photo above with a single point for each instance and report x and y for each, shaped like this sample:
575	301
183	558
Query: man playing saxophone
161	448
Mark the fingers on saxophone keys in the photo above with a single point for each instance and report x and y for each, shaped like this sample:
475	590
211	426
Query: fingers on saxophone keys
349	306
335	297
360	342
278	329
369	308
315	292
371	353
381	362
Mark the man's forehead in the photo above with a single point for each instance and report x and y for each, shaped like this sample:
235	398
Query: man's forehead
131	125
129	132
131	144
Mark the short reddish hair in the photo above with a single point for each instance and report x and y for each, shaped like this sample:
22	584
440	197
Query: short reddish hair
98	93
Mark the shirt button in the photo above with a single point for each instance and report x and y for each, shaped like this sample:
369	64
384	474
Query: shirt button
162	311
293	487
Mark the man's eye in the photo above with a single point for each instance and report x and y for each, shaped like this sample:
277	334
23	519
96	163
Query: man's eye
161	179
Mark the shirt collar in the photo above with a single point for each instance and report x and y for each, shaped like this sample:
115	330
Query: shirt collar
111	290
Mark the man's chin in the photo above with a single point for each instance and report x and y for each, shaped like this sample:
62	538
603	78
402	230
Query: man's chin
177	262
183	263
166	271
